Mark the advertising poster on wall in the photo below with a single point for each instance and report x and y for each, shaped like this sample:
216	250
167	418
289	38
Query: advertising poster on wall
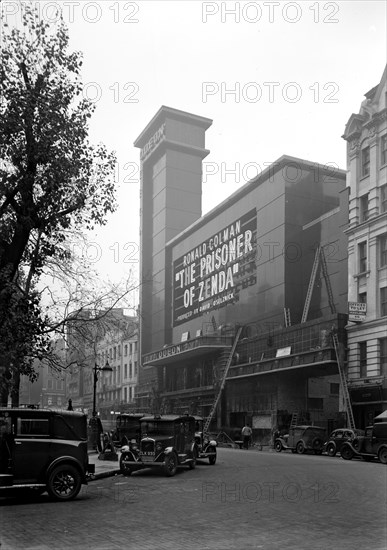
215	272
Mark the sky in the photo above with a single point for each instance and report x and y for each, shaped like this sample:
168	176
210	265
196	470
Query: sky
275	77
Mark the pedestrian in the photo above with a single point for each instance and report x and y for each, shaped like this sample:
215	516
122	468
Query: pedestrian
246	435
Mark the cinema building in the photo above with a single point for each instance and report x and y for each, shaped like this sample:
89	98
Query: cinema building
245	264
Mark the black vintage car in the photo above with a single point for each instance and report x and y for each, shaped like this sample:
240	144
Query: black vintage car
127	428
301	439
206	446
372	445
43	450
340	436
166	442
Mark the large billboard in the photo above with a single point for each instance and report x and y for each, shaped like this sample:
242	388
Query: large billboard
213	274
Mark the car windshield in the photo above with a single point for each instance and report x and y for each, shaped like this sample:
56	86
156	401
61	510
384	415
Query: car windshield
128	423
157	428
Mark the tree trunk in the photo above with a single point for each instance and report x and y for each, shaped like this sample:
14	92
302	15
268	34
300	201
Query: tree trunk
15	389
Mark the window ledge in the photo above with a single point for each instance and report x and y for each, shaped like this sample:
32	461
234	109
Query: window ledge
358	275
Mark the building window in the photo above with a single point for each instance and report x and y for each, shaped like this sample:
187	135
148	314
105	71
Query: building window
119	350
125	371
383	149
130	394
315	403
362	257
49	384
135	367
383	250
363	297
130	370
383	355
364	212
383	301
335	388
115	352
130	349
383	199
363	359
126	350
365	162
126	395
135	346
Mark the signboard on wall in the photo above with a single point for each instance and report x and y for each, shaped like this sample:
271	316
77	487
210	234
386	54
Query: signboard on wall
357	311
213	274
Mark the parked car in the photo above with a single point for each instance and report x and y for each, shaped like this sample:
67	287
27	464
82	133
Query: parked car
43	450
206	446
301	439
127	428
340	436
166	443
372	445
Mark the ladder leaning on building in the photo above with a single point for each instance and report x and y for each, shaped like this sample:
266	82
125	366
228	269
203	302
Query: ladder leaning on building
223	381
320	257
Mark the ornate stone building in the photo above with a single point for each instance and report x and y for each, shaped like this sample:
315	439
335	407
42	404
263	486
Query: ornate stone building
366	136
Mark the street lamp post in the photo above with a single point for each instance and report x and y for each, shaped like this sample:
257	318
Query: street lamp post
96	370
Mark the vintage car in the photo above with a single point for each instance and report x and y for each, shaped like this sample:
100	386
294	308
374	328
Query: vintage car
127	428
43	450
372	445
340	436
166	442
206	446
301	439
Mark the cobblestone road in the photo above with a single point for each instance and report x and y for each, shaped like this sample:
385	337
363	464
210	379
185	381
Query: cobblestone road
248	500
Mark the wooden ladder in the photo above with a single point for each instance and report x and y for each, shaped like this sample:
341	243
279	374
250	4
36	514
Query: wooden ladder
223	382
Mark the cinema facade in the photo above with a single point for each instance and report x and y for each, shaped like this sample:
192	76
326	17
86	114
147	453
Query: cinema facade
246	263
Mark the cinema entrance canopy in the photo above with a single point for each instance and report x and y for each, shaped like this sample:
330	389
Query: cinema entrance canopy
190	349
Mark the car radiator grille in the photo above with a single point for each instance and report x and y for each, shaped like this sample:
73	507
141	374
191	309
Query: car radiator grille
147	451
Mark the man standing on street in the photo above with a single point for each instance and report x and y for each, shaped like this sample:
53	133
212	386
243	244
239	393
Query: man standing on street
246	435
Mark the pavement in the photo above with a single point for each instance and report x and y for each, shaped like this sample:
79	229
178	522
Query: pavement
104	468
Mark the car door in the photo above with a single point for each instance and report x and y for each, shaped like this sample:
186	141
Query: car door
368	441
339	439
6	443
31	448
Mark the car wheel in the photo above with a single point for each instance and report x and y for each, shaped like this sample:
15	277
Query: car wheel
331	450
346	452
170	465
300	448
278	446
124	468
64	482
192	464
212	458
382	455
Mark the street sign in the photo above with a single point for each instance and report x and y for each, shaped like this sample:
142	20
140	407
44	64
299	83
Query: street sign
357	311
